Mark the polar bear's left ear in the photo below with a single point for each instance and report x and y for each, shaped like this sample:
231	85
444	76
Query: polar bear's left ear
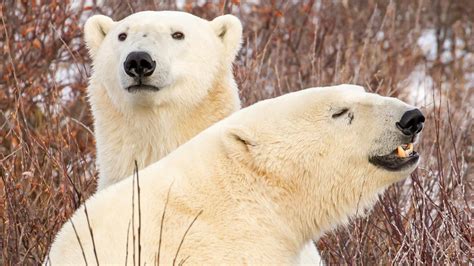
95	30
229	29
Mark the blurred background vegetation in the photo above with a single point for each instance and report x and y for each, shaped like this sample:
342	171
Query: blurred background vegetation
419	50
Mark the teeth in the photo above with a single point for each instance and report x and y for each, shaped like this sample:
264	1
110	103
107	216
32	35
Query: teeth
405	150
401	152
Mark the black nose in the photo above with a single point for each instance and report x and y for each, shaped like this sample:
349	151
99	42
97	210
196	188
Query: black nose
139	64
411	122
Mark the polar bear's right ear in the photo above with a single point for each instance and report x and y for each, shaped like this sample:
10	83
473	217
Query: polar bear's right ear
229	29
95	30
239	140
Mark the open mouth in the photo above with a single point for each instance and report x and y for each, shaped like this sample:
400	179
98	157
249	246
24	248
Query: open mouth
402	157
141	87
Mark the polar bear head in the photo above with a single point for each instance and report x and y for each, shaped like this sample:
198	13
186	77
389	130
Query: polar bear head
336	148
154	58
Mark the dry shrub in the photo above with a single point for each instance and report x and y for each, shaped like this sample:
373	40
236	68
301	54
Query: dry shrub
47	148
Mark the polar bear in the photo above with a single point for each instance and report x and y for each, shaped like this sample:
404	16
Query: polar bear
254	187
158	79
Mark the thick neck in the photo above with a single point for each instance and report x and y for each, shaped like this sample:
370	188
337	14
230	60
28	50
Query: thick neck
150	134
294	210
269	206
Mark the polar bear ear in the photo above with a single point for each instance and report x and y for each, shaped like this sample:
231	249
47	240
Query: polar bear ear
95	30
229	29
239	139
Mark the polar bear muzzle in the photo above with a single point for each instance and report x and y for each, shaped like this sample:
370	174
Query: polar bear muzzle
139	66
404	155
411	122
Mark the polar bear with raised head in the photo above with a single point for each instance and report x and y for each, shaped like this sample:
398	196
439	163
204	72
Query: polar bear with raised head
158	79
255	187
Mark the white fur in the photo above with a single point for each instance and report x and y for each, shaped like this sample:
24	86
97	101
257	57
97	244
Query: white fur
267	179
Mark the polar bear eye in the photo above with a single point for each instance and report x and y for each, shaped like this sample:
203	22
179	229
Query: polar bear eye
340	112
122	37
178	35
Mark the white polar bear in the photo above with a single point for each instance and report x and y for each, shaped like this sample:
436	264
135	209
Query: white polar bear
158	79
255	187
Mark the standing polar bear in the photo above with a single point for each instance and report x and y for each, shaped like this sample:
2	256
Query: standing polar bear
255	187
158	79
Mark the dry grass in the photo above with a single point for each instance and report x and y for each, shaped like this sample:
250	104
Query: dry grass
47	147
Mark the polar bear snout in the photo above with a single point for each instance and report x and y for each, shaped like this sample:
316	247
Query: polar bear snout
411	122
402	155
139	64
